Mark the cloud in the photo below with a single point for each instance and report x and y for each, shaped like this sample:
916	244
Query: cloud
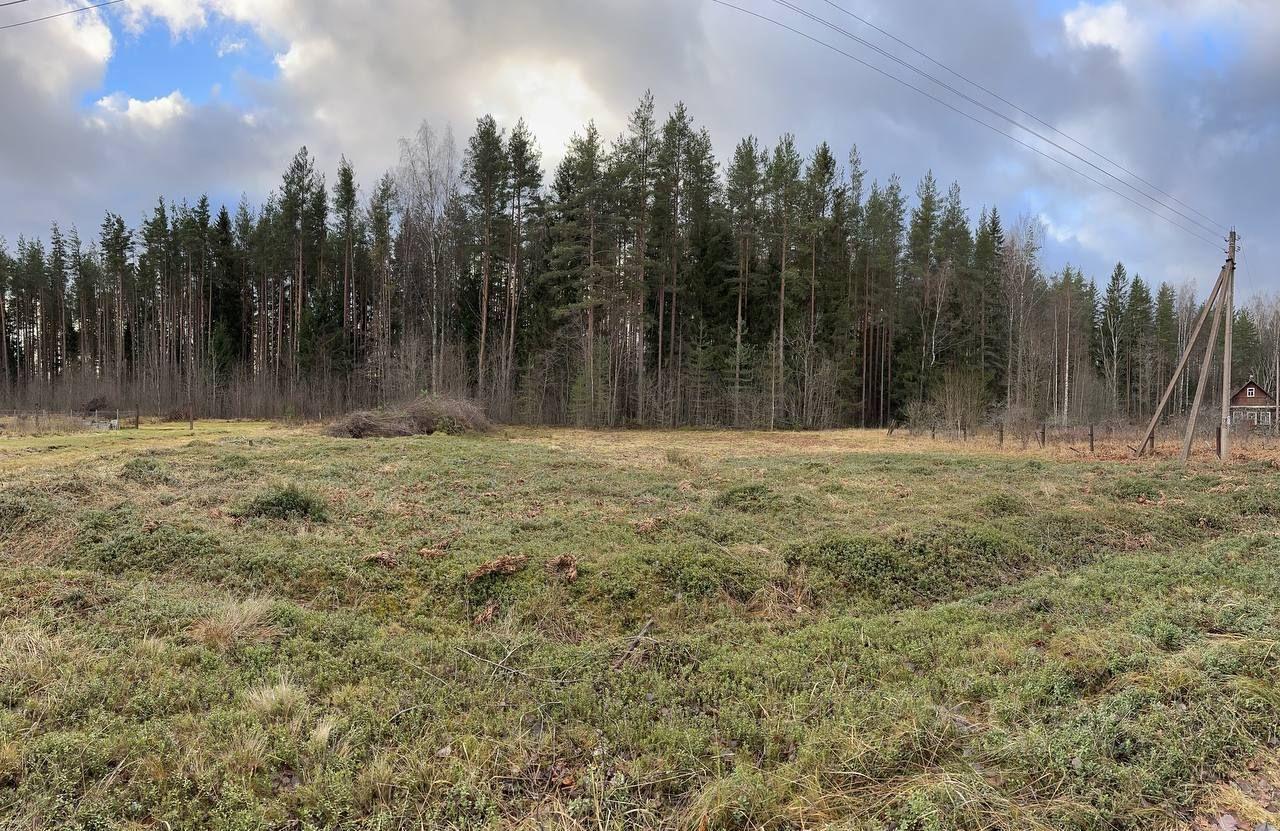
1184	92
230	46
181	16
1108	26
153	114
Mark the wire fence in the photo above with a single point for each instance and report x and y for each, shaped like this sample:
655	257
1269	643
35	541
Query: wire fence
1104	440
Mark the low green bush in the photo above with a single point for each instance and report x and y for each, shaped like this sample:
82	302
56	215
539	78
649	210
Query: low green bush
285	502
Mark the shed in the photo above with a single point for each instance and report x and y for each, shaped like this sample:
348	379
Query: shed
1252	405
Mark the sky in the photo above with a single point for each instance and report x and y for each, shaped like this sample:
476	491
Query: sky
110	109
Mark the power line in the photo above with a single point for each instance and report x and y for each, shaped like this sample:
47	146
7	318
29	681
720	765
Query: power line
60	14
816	19
967	115
12	3
1030	115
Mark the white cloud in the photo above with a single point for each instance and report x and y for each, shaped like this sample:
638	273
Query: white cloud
152	114
231	46
1109	26
181	16
552	96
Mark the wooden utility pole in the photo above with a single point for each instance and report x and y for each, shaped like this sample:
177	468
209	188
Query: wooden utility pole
1221	298
1182	362
1202	382
1229	304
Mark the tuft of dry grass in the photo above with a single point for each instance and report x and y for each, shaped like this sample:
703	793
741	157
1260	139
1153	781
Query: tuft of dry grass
236	622
247	752
279	700
375	782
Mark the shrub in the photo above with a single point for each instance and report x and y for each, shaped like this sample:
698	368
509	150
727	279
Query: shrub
230	462
749	499
285	502
1003	503
933	565
1134	489
1257	502
146	470
22	511
140	549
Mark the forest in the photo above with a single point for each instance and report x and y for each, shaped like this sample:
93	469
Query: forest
642	281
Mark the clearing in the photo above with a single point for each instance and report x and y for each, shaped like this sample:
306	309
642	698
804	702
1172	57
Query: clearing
264	627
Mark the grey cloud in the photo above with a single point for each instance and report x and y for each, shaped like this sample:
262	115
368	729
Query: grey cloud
360	79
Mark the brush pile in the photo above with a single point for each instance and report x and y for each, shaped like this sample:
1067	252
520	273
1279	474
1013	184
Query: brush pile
423	416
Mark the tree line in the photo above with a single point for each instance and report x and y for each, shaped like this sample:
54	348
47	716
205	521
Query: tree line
639	282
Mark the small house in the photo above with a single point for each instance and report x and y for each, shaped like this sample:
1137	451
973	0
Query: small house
1252	405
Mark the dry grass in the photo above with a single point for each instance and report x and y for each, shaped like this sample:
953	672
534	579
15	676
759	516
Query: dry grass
849	630
279	700
37	425
236	622
692	449
508	564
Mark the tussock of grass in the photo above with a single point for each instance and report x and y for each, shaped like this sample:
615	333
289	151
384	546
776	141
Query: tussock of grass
275	701
236	622
683	459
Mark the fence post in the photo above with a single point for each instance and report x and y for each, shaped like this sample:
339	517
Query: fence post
933	432
1090	438
964	434
1042	435
1001	428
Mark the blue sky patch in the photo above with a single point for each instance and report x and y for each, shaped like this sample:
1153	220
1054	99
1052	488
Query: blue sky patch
206	65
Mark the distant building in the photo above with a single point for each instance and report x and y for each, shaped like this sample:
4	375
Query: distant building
1252	405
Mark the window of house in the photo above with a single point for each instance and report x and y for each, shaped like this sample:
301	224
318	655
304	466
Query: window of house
1249	393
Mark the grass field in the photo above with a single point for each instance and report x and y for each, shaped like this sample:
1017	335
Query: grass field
262	627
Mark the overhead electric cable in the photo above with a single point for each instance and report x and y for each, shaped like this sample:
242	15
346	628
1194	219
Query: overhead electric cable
1028	114
934	79
12	3
967	115
60	14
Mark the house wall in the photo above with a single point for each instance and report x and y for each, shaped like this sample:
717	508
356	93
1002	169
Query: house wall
1260	398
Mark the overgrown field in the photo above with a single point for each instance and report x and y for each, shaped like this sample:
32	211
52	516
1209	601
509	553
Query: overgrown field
259	627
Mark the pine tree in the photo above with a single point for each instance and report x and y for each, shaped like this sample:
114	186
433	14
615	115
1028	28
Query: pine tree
487	171
1111	331
745	193
783	178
